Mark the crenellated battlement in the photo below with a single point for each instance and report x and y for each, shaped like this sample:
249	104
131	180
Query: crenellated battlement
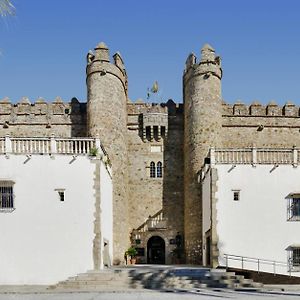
256	109
140	106
26	118
98	61
209	65
40	107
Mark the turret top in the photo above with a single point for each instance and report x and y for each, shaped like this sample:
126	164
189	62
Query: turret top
102	52
101	45
208	47
207	53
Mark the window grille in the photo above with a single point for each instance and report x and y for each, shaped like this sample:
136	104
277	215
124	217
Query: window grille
294	258
293	209
152	169
6	196
159	170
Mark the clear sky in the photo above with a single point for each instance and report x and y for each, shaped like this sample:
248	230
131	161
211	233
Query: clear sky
43	48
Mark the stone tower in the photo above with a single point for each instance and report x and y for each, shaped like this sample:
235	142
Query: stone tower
202	125
107	117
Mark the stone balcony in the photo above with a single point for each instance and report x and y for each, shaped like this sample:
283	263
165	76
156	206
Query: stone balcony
50	145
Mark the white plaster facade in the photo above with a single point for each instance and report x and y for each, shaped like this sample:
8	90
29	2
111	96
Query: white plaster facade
45	240
256	225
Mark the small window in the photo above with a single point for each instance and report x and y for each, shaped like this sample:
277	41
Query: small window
152	169
294	208
61	194
159	170
6	196
236	195
294	258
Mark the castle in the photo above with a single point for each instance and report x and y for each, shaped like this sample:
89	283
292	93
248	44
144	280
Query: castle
157	151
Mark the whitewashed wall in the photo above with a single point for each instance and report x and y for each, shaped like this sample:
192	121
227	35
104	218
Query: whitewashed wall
45	240
256	226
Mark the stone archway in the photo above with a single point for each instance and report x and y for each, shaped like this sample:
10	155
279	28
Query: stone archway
156	250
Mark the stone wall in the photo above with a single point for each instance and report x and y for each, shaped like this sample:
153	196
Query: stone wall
202	125
148	196
260	126
107	117
42	119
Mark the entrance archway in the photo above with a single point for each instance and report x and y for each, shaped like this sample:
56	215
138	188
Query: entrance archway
156	250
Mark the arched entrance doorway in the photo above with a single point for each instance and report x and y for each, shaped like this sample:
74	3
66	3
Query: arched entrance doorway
156	250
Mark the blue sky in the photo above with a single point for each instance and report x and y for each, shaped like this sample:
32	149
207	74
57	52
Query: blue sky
43	48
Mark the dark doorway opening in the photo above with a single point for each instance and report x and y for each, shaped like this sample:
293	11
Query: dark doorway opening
208	263
156	250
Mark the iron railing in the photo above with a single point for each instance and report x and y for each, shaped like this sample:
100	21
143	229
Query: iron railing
257	263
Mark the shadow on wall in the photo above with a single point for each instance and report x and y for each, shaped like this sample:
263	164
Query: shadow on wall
173	168
78	117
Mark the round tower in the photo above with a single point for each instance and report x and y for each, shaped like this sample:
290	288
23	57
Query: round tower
107	117
202	125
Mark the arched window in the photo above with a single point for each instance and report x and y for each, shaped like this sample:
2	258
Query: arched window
159	169
152	169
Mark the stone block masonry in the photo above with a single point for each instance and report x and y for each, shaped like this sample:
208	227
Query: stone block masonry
135	134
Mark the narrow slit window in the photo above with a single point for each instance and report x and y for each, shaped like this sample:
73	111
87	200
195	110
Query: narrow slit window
152	169
159	170
155	132
148	133
163	131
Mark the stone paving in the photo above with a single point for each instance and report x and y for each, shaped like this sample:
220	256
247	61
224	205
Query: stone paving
201	294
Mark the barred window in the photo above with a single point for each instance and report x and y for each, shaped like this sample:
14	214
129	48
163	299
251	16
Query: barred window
6	195
294	258
159	169
294	209
152	169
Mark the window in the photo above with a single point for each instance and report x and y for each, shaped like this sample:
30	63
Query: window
152	169
294	208
6	196
294	258
236	195
61	194
159	170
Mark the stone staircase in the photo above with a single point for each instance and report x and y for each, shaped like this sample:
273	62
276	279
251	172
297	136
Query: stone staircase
167	279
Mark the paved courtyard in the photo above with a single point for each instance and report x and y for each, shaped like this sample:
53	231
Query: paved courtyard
153	295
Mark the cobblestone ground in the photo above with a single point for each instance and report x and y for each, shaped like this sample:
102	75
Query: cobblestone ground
201	295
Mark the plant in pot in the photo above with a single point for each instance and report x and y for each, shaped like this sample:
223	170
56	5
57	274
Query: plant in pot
132	252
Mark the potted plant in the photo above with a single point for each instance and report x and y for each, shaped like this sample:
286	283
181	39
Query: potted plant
132	252
94	151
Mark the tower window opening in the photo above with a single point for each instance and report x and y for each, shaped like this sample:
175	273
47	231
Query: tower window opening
163	131
155	132
148	132
159	170
152	169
